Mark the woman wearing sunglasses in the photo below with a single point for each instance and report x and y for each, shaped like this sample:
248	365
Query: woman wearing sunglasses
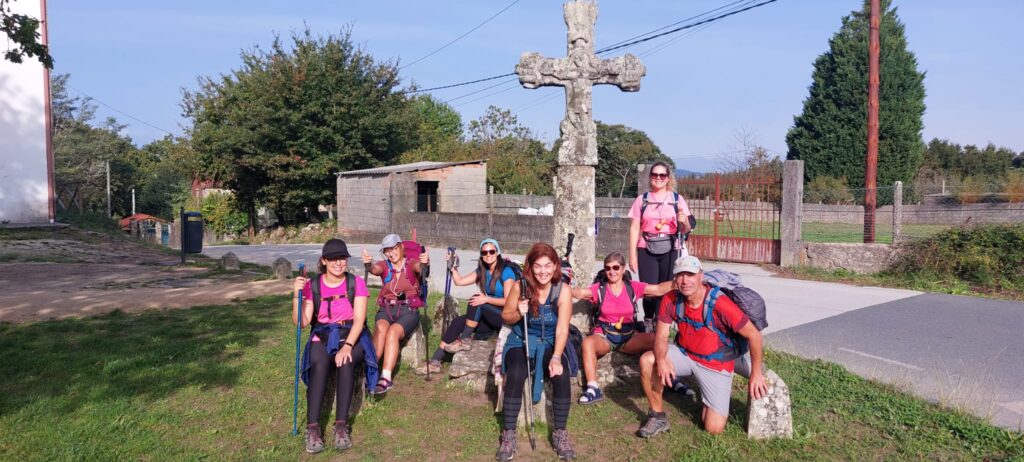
483	314
658	217
614	298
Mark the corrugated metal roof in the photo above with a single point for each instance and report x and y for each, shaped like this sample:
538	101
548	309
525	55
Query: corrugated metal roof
404	168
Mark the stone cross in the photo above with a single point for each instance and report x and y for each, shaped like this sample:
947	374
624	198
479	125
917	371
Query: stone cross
577	155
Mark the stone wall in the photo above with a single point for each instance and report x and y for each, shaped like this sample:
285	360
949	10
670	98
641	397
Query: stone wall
858	258
364	204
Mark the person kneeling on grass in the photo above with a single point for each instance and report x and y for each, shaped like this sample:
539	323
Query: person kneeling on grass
336	313
399	301
483	314
699	350
616	327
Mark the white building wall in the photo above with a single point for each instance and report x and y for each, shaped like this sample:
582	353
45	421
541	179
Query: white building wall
24	182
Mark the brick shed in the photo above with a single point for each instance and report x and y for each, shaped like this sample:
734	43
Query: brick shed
368	199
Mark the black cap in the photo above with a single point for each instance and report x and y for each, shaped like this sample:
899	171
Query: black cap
335	248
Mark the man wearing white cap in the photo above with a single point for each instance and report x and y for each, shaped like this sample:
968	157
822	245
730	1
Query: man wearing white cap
700	349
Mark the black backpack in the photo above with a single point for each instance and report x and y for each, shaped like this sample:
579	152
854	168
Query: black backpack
350	290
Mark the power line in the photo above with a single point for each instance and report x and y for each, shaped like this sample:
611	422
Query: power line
461	36
461	83
670	25
688	26
119	111
478	91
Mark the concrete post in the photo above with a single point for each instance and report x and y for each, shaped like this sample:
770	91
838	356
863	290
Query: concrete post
792	212
490	210
643	184
897	212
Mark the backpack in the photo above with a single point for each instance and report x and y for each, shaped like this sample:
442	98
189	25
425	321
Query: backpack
675	207
412	254
350	290
750	303
602	279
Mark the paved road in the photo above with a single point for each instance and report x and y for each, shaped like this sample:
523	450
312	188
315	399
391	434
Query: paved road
954	350
963	351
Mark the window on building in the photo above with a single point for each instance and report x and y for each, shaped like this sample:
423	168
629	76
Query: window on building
426	196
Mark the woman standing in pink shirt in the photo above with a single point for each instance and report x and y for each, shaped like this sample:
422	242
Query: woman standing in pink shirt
659	216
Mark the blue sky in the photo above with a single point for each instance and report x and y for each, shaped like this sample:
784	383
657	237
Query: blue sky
749	72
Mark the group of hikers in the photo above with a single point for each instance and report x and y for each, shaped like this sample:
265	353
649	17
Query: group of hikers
534	301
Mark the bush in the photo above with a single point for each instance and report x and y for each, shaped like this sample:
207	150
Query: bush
973	190
221	216
1014	187
985	255
828	190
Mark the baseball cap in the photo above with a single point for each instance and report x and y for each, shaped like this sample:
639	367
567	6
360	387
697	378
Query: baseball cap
390	241
335	248
688	264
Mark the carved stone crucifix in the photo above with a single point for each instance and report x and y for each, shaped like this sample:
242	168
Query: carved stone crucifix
577	155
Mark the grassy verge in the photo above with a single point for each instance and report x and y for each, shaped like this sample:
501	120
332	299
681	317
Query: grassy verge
215	383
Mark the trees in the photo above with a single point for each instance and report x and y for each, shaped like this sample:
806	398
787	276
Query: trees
830	135
23	31
619	150
276	130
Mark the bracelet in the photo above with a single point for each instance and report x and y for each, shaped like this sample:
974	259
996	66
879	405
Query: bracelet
350	345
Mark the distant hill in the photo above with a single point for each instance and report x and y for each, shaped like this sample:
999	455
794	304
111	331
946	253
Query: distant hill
683	173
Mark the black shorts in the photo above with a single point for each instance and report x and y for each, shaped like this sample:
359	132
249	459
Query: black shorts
401	314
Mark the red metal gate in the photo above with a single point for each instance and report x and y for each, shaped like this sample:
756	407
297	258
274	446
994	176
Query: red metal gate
737	217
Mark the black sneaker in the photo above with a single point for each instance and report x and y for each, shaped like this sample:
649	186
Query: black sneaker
314	443
560	440
341	438
653	425
507	446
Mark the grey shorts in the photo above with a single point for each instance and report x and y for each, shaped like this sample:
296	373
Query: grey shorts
402	315
715	386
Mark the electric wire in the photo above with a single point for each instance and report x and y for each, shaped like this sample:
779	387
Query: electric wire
495	15
112	108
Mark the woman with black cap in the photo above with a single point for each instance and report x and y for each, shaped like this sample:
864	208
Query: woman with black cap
336	312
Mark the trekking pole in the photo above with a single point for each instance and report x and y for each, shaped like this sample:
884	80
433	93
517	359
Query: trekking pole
298	339
528	389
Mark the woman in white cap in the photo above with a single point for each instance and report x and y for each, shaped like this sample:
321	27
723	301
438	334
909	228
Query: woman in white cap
483	313
399	303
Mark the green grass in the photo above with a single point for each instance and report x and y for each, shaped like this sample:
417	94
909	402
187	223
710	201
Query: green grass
854	233
215	383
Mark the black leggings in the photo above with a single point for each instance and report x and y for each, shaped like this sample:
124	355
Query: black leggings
515	381
322	364
654	269
490	322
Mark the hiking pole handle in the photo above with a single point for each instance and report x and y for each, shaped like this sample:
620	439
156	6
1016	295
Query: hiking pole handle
568	245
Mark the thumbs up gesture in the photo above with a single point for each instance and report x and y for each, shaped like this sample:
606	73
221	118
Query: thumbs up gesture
366	257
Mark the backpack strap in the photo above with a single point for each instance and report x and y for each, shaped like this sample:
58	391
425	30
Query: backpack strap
643	207
314	285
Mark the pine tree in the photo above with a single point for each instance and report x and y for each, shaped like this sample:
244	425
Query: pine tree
830	136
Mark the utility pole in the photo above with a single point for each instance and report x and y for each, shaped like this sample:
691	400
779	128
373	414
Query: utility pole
133	201
108	189
871	169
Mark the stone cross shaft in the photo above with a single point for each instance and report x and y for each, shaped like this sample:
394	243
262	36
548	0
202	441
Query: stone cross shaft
577	155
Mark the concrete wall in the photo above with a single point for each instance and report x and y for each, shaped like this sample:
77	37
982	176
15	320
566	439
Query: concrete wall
363	204
24	175
464	190
858	258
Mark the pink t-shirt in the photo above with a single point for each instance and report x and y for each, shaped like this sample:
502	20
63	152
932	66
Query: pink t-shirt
659	210
619	306
334	302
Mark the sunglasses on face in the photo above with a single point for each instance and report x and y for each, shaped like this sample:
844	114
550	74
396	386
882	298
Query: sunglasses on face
612	267
659	176
484	253
337	261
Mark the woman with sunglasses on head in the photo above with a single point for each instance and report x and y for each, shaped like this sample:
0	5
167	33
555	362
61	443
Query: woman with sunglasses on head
337	343
483	313
616	327
399	303
547	307
658	217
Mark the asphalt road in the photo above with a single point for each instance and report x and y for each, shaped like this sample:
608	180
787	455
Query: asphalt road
954	350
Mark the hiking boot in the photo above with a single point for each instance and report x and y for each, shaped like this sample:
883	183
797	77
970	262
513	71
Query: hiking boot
507	446
314	443
560	440
458	345
341	438
655	423
434	366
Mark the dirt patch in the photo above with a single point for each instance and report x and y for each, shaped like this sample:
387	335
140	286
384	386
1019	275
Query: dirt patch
72	272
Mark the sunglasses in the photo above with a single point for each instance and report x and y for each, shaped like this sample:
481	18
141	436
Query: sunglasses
612	267
336	261
484	253
659	176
